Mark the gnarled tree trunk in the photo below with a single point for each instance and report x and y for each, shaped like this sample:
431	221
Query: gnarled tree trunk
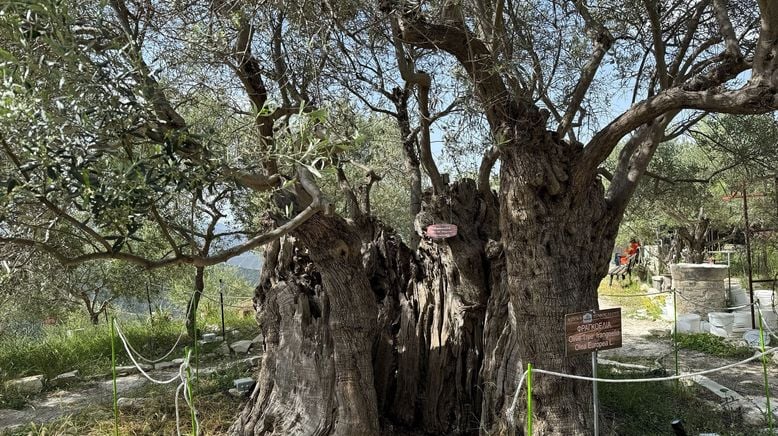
318	315
557	241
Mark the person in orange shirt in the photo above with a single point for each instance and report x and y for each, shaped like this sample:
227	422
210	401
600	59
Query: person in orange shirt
634	248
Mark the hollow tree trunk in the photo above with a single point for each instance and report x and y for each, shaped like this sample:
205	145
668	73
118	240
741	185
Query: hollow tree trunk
557	242
318	315
426	311
430	350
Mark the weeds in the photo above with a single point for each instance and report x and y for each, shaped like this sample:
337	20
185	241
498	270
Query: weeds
713	345
649	408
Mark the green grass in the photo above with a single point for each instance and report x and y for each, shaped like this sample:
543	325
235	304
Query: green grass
623	294
87	348
649	408
714	345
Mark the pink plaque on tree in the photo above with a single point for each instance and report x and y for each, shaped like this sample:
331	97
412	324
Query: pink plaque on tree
441	231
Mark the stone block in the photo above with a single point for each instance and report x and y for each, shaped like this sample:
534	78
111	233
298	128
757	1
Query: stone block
241	347
26	385
66	379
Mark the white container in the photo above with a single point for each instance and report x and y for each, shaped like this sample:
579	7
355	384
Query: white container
721	323
765	297
741	321
719	331
688	323
721	319
738	297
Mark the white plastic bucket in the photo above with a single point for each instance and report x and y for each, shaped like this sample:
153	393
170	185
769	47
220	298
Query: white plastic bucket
766	297
689	323
741	321
719	331
721	323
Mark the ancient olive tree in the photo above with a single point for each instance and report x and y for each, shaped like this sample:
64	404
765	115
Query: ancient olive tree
107	120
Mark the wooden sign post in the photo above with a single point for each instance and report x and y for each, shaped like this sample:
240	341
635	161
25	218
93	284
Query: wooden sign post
588	332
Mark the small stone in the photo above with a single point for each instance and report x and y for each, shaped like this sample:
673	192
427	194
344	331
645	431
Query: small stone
224	349
659	333
747	383
65	379
165	365
26	385
178	361
131	403
241	347
236	393
131	369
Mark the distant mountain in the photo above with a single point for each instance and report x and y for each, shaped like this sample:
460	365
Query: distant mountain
249	260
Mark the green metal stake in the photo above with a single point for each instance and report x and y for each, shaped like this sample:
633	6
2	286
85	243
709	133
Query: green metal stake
190	396
197	352
529	399
764	368
113	371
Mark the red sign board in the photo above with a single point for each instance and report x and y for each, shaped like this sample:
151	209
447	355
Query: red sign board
441	231
592	331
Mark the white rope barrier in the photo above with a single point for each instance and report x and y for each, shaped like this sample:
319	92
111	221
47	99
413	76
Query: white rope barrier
135	362
694	303
653	294
764	324
145	359
181	376
511	410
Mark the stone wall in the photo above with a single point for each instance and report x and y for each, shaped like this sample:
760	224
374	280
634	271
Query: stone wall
701	287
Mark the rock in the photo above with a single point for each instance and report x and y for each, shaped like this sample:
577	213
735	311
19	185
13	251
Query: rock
224	349
131	369
165	365
236	393
66	378
258	340
241	347
27	385
131	403
178	361
660	333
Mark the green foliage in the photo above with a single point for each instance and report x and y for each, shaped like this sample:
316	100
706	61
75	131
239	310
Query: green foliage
714	345
81	346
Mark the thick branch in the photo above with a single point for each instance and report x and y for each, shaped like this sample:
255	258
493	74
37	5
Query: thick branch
748	100
603	40
474	56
